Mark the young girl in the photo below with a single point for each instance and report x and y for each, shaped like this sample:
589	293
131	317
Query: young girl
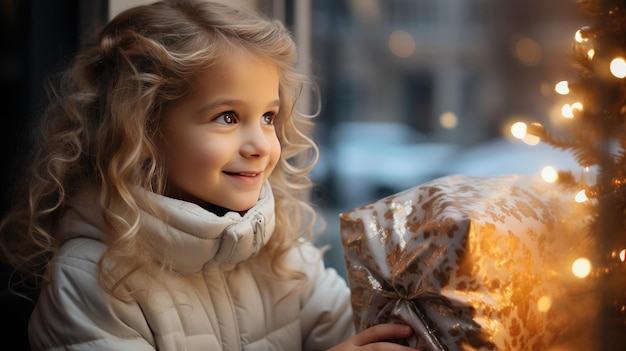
164	205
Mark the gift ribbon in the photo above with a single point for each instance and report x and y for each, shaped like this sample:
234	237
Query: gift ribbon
434	318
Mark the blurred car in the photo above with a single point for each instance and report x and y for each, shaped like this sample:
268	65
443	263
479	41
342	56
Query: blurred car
507	156
366	161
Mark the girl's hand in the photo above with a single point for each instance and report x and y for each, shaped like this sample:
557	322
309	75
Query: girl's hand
374	339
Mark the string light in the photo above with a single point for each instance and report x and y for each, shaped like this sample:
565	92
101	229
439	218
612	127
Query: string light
581	196
562	87
618	67
549	174
566	111
544	303
581	267
578	36
519	129
531	140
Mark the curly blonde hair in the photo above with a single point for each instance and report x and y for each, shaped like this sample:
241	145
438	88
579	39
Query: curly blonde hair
103	119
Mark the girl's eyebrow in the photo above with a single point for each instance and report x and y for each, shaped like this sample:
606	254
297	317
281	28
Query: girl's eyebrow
275	103
232	102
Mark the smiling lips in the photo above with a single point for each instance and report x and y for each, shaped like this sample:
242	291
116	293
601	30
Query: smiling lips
247	178
243	174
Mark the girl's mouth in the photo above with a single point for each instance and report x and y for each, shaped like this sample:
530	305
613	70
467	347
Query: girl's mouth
242	174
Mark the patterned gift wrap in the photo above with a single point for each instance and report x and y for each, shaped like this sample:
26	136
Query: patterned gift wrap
473	264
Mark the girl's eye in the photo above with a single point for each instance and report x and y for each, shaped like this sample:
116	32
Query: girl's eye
226	118
268	118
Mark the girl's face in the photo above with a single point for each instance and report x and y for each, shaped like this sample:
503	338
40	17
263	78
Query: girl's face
219	140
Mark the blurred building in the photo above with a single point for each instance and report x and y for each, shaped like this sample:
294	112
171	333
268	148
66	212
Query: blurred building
455	69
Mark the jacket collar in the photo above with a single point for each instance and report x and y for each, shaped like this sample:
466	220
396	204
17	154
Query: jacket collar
192	236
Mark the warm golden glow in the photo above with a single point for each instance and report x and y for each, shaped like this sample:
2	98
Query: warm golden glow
518	130
562	87
531	140
581	267
549	174
401	43
618	67
591	53
622	255
527	51
544	303
566	111
579	36
581	196
448	120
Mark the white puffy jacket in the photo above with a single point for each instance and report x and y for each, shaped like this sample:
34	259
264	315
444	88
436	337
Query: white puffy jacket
214	302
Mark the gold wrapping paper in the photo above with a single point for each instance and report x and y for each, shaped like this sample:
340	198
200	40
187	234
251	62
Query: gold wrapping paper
473	264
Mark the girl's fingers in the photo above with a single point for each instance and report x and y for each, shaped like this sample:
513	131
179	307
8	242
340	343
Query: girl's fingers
382	332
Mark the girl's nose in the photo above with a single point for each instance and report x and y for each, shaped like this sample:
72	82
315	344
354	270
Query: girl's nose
256	141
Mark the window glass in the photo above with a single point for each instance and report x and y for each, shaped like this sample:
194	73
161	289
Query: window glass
412	90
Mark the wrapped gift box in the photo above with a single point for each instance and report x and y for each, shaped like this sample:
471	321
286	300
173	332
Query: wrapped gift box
473	264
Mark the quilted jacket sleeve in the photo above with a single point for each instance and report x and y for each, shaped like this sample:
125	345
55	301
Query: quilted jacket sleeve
74	313
326	314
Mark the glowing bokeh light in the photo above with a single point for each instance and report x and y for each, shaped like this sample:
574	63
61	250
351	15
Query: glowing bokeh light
401	43
549	174
562	87
581	267
591	53
622	255
531	140
545	89
448	120
566	111
527	51
578	36
518	130
618	67
581	196
544	303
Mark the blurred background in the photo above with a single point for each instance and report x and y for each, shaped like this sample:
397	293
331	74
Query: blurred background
410	90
